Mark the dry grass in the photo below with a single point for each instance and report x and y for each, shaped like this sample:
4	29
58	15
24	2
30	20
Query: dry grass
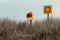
11	30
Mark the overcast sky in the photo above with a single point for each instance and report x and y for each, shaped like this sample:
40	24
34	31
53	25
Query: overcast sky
17	9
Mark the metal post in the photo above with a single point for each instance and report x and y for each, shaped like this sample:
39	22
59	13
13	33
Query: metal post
30	23
48	21
48	26
48	18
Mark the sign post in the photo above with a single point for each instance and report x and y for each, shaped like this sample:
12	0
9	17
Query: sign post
29	17
48	10
48	19
30	23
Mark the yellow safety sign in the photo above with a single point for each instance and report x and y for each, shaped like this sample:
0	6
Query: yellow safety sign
47	9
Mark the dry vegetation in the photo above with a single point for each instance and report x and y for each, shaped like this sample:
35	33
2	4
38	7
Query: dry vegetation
12	30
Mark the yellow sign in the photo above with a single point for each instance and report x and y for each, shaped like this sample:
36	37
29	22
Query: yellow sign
47	9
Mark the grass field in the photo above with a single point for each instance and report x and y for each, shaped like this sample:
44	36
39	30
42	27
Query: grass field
13	30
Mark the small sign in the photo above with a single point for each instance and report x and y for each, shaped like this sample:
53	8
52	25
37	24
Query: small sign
29	16
47	9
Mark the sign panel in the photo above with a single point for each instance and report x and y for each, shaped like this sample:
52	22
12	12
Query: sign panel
29	16
47	9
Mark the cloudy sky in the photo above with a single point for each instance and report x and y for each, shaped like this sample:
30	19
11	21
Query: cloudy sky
17	9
